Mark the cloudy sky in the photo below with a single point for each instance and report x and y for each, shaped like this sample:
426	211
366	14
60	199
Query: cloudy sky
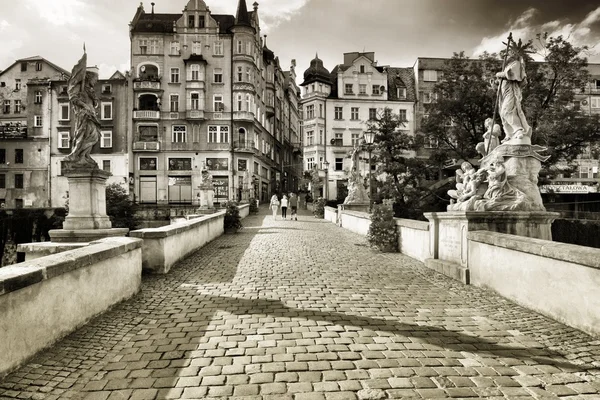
398	31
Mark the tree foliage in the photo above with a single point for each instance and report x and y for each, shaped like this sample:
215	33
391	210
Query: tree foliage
120	208
399	173
465	98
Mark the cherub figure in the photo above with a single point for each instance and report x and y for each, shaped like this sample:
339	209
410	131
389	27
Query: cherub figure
490	138
463	176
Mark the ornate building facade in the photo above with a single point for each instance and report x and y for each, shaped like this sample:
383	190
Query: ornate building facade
24	137
337	106
209	94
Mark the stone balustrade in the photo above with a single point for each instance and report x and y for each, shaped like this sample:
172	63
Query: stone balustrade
45	299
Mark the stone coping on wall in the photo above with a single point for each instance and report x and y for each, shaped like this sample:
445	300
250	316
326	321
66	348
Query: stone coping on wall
412	223
331	209
175	229
360	214
18	276
572	253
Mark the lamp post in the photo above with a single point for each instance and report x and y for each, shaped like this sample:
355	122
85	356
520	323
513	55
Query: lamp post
369	137
326	167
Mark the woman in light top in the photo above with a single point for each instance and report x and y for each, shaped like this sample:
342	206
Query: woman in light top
274	205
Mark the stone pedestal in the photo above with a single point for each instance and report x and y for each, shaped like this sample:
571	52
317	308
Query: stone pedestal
87	219
206	198
448	234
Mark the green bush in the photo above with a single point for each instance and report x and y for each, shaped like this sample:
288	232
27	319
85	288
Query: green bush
232	221
253	206
382	232
319	208
120	208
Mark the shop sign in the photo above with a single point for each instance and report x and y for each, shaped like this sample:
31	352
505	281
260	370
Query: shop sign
568	189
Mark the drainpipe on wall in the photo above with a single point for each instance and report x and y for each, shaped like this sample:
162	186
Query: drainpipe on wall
232	169
49	176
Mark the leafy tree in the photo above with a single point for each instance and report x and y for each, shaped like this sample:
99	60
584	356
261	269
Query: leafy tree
120	208
399	173
465	99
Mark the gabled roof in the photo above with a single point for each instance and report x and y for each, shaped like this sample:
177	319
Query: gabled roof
38	58
117	76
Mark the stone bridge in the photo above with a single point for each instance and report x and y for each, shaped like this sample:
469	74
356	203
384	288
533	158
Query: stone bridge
305	310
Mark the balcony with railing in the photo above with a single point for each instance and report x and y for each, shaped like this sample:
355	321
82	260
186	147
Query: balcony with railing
245	146
146	114
146	146
146	84
243	116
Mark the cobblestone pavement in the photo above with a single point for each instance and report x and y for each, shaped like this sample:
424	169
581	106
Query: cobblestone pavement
304	310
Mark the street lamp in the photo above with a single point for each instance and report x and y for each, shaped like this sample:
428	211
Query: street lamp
369	137
326	167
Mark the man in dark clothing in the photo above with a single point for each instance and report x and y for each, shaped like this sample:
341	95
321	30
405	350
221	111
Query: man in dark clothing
293	201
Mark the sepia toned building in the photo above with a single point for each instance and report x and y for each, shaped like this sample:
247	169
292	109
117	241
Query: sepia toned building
111	153
24	137
208	93
337	107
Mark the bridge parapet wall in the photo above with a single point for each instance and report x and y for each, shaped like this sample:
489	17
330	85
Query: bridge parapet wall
44	299
556	279
166	245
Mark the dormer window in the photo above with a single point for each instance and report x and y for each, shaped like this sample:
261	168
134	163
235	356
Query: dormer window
362	69
401	92
191	21
201	21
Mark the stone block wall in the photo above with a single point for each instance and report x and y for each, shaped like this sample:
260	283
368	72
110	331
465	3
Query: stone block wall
43	300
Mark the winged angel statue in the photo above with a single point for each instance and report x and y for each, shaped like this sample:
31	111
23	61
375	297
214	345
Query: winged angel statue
84	101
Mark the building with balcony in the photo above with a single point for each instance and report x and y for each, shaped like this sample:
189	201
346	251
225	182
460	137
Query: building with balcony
337	107
24	150
207	93
112	150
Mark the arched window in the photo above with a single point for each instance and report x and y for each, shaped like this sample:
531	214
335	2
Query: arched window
239	102
248	103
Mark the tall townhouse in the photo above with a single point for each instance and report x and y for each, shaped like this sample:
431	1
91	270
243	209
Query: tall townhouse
111	151
207	94
24	136
337	107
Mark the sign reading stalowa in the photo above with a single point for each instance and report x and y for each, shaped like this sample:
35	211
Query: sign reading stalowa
568	189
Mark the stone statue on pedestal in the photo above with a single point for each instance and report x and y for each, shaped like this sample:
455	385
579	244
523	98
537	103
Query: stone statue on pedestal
511	168
206	190
83	98
357	194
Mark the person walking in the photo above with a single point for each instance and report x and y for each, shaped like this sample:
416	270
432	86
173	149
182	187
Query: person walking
274	205
293	206
284	206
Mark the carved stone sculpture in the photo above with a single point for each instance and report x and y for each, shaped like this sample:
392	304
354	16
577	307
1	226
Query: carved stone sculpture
87	127
490	138
357	194
512	168
511	80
